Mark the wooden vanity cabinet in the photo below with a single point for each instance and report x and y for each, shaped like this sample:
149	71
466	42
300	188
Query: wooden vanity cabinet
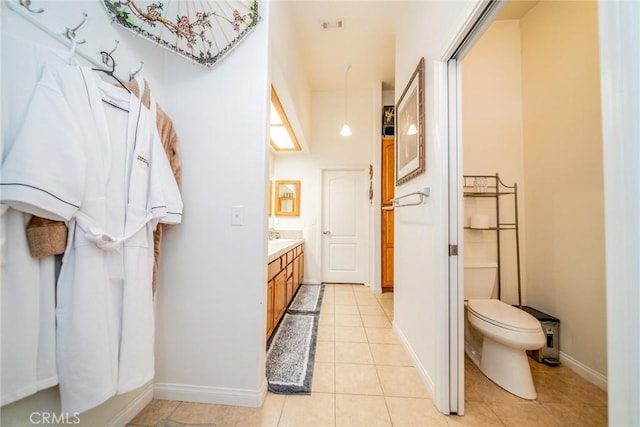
270	317
284	276
280	295
290	290
272	271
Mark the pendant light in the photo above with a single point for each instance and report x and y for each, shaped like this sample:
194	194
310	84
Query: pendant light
346	130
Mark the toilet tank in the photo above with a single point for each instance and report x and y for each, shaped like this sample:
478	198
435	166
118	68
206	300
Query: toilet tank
480	279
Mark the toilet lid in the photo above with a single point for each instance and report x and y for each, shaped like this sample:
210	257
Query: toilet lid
500	314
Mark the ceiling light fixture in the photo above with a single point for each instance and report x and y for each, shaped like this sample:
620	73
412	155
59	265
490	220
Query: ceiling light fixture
346	130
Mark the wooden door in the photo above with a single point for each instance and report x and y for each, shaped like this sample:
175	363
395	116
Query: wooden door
388	191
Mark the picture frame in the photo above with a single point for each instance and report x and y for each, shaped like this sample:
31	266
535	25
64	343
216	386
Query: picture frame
410	159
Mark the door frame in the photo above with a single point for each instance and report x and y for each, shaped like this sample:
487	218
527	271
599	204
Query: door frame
367	239
619	76
450	73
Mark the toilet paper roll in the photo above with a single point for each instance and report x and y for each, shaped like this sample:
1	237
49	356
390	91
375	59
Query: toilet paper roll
479	222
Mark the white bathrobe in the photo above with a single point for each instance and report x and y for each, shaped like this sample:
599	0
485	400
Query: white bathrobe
102	168
27	285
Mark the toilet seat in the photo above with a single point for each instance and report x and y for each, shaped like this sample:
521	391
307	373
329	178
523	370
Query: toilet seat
503	315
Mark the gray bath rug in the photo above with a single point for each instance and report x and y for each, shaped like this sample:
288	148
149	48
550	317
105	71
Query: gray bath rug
290	355
307	300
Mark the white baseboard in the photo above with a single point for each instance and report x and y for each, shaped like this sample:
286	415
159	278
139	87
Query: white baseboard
584	371
131	410
426	379
204	394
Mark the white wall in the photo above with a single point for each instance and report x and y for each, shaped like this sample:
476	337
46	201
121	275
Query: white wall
564	178
492	138
388	97
211	309
421	244
329	150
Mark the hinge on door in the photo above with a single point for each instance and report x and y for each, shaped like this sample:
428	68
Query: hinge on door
453	250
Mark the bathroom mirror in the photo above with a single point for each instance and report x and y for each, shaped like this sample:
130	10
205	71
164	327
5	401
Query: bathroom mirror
287	200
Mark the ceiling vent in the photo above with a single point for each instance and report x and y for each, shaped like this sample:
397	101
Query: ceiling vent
337	24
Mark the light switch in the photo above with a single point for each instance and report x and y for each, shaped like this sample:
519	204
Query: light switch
237	215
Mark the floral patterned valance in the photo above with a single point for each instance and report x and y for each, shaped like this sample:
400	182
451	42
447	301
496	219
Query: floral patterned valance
203	31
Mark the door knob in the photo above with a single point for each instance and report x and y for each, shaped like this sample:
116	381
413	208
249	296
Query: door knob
326	232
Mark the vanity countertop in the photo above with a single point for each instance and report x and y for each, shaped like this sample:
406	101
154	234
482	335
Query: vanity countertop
277	247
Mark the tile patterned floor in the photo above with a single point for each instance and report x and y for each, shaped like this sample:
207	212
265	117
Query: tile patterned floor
363	377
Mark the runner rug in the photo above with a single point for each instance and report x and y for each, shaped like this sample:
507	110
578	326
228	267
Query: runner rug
307	300
291	350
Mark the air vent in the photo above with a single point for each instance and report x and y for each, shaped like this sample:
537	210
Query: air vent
337	24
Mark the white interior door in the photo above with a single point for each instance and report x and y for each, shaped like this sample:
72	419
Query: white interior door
344	224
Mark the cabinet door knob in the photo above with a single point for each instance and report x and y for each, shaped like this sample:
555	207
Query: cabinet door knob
326	232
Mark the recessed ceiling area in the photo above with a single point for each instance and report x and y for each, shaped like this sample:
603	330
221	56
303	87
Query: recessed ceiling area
362	33
366	40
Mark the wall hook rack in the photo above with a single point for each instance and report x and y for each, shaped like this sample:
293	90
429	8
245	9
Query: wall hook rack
61	36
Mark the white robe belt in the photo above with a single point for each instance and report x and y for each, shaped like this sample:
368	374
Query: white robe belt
101	238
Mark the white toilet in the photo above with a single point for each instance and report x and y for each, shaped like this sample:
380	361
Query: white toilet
497	334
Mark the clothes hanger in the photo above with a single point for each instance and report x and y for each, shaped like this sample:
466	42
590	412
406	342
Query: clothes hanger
107	59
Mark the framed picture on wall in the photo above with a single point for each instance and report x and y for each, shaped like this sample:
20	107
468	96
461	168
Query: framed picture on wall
410	128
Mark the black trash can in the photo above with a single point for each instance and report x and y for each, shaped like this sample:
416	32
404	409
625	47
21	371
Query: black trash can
550	353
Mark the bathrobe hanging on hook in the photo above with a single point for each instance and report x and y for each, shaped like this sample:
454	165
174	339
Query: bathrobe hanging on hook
89	154
27	290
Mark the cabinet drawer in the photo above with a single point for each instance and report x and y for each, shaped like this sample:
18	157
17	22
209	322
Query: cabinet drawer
274	268
289	257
